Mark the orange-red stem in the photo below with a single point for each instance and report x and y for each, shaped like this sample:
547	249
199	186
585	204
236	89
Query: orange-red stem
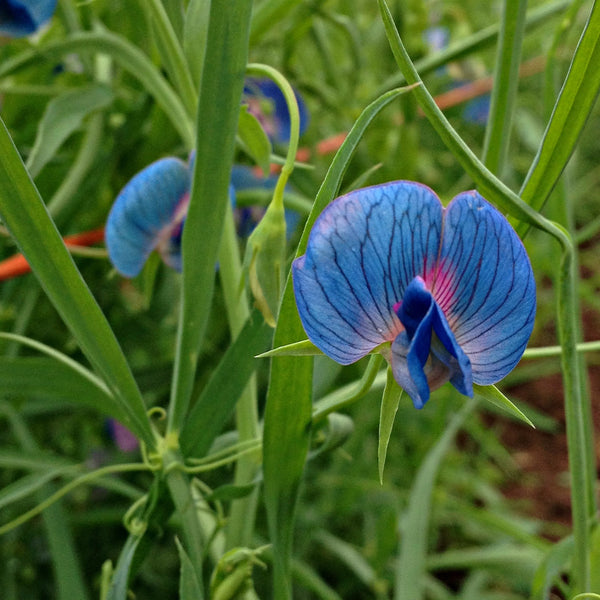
17	265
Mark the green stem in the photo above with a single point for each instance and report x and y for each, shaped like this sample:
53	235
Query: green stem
548	351
344	396
506	80
180	489
241	520
63	491
292	105
575	416
173	56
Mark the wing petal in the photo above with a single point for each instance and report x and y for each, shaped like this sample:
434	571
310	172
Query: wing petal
484	284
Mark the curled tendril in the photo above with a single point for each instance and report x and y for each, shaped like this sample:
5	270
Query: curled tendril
157	411
132	522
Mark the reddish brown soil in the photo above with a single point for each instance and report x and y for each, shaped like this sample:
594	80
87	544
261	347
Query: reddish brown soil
542	486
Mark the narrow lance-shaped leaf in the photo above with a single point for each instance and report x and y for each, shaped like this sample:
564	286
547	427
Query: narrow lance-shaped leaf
26	217
390	400
64	115
571	112
218	114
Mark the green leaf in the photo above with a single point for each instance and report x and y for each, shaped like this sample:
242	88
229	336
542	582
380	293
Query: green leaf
217	119
389	406
195	30
413	542
119	583
125	54
332	434
63	116
28	221
495	396
189	588
268	14
27	485
217	400
552	566
41	377
302	348
254	140
289	406
571	111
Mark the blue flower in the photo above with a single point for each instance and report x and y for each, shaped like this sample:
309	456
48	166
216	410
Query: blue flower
267	103
149	213
19	18
449	292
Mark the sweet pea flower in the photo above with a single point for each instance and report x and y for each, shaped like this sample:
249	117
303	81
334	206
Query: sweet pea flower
149	213
446	294
19	18
267	103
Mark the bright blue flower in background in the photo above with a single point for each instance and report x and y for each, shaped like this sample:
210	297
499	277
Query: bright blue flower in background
267	103
19	18
451	288
148	214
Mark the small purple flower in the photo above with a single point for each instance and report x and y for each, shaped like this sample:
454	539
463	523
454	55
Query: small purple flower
451	289
19	18
122	437
267	103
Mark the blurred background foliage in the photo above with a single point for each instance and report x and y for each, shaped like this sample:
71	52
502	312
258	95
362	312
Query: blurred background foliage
497	503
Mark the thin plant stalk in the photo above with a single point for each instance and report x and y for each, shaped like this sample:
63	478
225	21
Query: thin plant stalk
506	81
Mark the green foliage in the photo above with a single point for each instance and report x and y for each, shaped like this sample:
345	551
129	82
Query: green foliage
260	466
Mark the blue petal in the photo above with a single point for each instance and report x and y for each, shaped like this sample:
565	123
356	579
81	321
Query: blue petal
363	251
19	18
485	287
266	89
425	355
142	211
